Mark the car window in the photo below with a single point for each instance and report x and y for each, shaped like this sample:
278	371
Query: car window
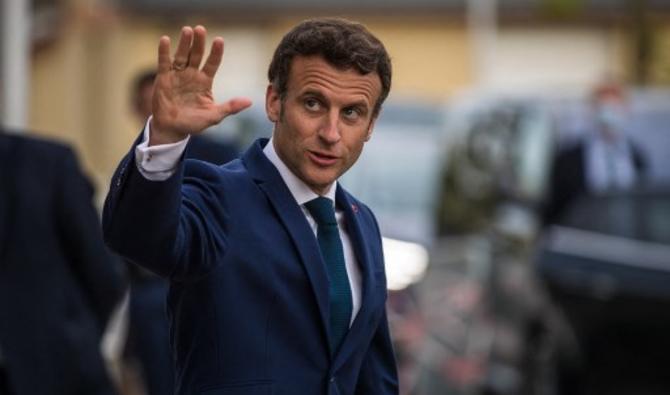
640	216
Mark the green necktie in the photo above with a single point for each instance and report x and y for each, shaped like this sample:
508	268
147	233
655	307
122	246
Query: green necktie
328	236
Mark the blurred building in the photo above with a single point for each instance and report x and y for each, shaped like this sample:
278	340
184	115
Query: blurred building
85	52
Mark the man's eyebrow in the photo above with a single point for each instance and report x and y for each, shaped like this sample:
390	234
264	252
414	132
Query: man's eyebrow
315	93
320	96
359	103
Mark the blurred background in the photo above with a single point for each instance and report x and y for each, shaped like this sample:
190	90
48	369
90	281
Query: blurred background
500	282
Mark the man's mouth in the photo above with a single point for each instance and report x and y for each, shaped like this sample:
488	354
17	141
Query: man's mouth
322	159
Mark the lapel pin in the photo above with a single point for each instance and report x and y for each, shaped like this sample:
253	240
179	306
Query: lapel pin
354	208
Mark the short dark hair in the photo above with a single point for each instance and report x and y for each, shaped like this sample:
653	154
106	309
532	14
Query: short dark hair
141	80
342	43
144	78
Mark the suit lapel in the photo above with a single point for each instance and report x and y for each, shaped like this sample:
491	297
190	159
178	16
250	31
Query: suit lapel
293	219
359	327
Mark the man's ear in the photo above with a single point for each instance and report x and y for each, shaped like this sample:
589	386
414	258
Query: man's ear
272	103
370	128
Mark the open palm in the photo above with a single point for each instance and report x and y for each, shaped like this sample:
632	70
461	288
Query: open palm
183	102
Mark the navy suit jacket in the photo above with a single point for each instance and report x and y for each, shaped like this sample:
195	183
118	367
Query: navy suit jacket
248	300
210	150
58	282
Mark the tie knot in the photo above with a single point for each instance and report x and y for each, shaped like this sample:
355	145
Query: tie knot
322	210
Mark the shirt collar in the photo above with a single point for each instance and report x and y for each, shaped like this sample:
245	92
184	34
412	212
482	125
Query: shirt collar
300	191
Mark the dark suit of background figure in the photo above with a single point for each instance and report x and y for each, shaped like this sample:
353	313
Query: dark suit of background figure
248	294
149	329
568	178
58	283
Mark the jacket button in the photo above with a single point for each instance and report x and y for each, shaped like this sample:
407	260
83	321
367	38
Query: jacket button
332	379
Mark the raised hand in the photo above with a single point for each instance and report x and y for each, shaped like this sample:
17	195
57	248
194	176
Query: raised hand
183	102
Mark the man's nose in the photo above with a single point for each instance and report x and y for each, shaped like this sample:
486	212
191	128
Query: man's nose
330	129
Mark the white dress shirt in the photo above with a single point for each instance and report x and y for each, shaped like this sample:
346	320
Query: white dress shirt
609	165
159	162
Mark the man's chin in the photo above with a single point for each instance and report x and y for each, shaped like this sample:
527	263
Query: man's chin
320	184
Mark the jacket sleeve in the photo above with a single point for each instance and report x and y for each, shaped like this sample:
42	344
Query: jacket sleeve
174	228
97	271
379	373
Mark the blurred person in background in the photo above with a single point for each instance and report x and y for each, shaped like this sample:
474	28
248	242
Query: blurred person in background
270	292
58	283
605	160
148	336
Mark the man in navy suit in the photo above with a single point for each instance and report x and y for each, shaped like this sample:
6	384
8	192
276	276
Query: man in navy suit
277	281
58	283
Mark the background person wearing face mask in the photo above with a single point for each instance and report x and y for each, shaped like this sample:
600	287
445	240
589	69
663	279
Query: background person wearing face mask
604	160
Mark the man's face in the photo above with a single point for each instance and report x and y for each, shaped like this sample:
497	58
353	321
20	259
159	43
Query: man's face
324	119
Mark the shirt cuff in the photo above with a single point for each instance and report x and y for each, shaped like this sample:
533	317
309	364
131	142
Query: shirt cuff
158	162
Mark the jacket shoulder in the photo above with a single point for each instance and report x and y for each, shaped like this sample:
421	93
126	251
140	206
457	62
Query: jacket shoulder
233	171
37	149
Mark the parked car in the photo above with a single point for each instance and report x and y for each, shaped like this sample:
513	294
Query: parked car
607	265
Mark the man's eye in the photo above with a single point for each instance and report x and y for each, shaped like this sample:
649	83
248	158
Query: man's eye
351	113
312	104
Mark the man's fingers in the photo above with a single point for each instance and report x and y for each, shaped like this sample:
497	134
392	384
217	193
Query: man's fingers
233	106
198	49
164	54
184	47
214	58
